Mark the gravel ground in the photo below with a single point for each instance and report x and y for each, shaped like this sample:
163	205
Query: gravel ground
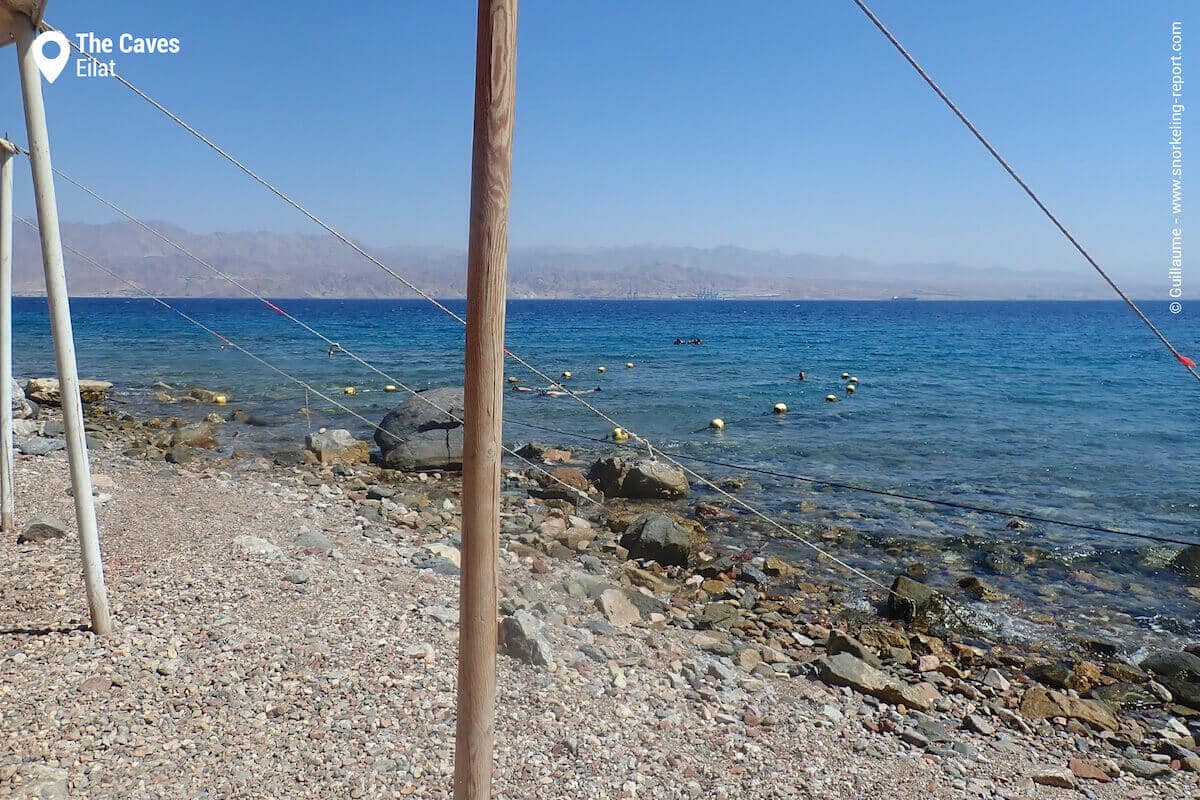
271	668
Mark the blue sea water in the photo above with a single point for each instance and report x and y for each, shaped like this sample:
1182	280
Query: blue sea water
1066	409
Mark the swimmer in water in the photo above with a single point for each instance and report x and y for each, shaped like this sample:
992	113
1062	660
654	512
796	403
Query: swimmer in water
803	376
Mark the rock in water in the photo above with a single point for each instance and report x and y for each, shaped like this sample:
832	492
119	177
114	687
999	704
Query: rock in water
1179	672
417	436
521	637
1187	560
40	529
913	601
657	537
639	480
47	391
338	446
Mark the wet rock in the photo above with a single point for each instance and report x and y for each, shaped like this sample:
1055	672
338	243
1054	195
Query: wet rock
1187	560
46	391
1126	695
522	637
913	601
417	436
748	573
1050	674
41	529
643	479
337	446
1179	672
980	589
657	537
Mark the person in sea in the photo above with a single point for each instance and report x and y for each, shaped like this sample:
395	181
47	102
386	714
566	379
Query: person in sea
802	376
679	341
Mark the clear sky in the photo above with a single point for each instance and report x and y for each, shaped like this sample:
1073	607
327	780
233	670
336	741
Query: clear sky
790	126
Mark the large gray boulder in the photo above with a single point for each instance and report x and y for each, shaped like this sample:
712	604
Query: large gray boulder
643	479
417	436
656	537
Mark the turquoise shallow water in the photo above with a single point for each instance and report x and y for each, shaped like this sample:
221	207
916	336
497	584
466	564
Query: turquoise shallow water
1062	409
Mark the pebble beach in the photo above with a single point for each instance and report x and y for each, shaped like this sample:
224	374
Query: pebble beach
290	630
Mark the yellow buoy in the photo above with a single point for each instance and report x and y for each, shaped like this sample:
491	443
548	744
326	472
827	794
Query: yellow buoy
389	388
220	399
566	374
717	424
845	375
780	408
349	390
850	389
853	379
620	435
513	379
832	398
601	369
628	365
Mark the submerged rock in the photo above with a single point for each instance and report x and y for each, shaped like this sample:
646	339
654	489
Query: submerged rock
416	435
1187	560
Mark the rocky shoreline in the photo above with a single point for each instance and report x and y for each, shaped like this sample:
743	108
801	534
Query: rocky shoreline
704	670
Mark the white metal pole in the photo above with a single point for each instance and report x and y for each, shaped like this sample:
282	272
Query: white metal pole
60	326
6	417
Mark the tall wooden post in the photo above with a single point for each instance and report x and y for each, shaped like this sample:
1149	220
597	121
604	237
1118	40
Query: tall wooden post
60	325
487	266
7	151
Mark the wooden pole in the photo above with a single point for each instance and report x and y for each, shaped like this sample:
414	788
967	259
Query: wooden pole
7	151
487	266
60	327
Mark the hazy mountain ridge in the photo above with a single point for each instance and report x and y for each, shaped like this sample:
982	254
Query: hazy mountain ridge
300	265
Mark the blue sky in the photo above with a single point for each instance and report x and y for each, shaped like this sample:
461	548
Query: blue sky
790	126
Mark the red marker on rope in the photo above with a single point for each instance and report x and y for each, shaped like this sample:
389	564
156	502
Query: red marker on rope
1187	362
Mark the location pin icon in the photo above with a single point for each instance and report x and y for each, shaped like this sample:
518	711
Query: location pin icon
51	68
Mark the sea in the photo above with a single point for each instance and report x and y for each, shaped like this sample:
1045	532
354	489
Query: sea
1066	410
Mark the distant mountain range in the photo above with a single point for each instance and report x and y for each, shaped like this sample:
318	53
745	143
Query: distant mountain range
296	265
